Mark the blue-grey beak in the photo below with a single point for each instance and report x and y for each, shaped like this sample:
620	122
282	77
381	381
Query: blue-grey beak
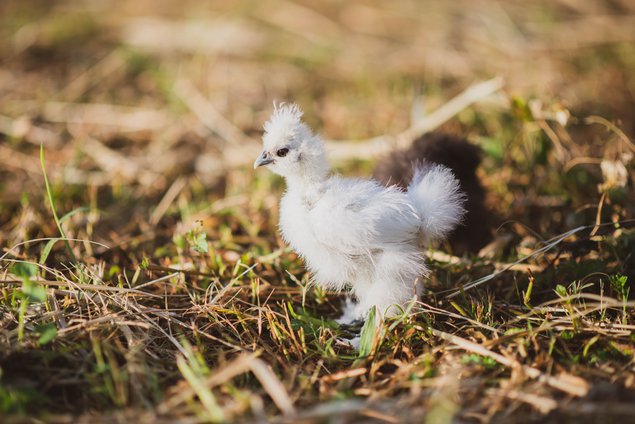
263	159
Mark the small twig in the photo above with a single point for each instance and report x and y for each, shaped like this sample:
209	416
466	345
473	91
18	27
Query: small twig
129	118
153	267
225	373
23	128
273	386
437	311
580	161
550	245
612	127
376	146
443	257
15	246
598	215
111	318
348	373
540	403
572	385
93	287
150	321
208	115
166	201
540	117
372	413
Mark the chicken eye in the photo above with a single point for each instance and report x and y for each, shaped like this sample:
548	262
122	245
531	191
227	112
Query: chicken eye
282	152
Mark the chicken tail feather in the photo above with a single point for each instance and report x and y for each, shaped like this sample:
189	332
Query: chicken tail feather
435	193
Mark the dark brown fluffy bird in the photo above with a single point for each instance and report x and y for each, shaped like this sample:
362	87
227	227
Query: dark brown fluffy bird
463	158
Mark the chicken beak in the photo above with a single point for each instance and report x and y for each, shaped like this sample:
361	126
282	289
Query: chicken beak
263	159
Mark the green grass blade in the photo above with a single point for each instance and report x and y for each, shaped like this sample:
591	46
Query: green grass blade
73	212
47	249
367	337
47	333
52	204
215	413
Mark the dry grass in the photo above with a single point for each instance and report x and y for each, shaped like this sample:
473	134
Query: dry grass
146	282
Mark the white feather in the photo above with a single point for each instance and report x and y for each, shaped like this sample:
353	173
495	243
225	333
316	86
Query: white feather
355	233
435	193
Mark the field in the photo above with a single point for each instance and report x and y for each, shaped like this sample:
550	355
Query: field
142	275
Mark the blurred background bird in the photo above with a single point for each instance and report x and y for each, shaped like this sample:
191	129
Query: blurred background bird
356	233
463	158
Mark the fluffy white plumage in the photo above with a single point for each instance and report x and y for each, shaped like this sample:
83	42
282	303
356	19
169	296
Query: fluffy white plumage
353	232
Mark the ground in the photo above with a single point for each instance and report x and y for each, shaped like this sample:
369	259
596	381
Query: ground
142	275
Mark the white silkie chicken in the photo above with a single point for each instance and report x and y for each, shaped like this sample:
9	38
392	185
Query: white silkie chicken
354	232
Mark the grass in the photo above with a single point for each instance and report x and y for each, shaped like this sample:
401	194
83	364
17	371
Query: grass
142	277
